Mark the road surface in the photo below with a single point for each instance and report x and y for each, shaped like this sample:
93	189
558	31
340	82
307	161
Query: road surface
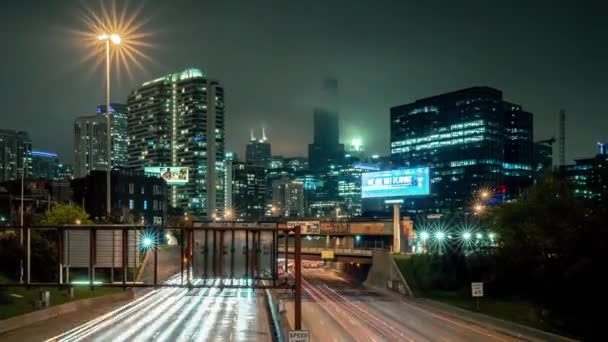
337	308
174	314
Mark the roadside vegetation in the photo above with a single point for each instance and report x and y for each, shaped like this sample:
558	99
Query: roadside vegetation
544	269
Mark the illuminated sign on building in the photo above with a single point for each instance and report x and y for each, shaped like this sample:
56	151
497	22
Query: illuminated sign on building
173	175
396	183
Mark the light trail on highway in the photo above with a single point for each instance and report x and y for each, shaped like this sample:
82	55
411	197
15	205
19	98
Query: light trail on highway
361	314
176	314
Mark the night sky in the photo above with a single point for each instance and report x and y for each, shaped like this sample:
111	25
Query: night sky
271	56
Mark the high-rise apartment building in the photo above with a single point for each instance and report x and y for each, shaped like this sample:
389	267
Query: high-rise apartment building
90	140
178	120
470	138
15	154
288	197
258	152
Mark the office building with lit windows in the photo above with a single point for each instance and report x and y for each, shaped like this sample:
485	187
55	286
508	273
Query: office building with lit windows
15	154
288	197
247	191
178	120
470	138
589	177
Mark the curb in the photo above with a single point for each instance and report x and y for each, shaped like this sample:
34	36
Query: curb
58	310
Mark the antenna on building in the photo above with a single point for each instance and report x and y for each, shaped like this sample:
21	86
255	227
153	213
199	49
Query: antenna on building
252	137
263	134
562	137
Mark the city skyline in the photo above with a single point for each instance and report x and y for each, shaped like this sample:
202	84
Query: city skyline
539	62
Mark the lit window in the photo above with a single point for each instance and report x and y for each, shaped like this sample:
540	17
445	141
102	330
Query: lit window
131	204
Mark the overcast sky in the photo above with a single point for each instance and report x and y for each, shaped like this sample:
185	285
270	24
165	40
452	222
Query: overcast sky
271	56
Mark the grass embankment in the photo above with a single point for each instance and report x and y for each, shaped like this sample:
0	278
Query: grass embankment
19	300
422	278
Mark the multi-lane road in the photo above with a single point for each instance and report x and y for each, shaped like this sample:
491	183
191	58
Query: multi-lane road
338	308
175	314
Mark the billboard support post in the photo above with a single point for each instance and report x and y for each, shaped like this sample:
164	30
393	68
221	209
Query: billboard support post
396	230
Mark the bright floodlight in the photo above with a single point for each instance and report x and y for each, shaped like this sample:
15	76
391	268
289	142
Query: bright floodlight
115	39
424	235
103	37
439	235
478	208
478	236
466	235
484	194
491	236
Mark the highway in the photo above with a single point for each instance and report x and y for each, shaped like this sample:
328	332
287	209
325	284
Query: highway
338	308
174	314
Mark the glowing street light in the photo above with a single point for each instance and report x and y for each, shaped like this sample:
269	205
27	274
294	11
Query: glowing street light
484	194
478	208
439	236
466	235
491	236
478	236
114	39
424	236
147	242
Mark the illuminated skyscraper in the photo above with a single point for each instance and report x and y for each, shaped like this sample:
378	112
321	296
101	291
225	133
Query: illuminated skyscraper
178	120
257	152
470	138
90	140
15	153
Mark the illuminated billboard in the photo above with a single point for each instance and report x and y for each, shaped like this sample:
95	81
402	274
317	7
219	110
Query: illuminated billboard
173	175
395	183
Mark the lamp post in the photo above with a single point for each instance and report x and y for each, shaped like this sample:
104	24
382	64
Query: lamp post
114	39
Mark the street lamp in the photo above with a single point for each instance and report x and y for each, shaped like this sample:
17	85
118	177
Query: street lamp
478	208
114	39
227	214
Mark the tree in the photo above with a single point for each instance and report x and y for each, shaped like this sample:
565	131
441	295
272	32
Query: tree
65	214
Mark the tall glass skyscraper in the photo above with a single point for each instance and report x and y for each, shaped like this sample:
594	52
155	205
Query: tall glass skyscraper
15	154
90	142
470	138
326	149
178	120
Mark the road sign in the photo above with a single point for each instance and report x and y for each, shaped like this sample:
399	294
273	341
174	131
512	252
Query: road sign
327	254
477	289
299	336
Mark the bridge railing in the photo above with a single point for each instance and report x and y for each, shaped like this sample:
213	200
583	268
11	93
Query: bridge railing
343	251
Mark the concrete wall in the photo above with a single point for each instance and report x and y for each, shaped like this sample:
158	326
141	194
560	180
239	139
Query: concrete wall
384	273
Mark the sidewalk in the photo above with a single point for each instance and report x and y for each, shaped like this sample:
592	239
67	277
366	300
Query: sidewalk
485	321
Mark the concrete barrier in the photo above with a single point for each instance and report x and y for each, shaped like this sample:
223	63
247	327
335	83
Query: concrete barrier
62	309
